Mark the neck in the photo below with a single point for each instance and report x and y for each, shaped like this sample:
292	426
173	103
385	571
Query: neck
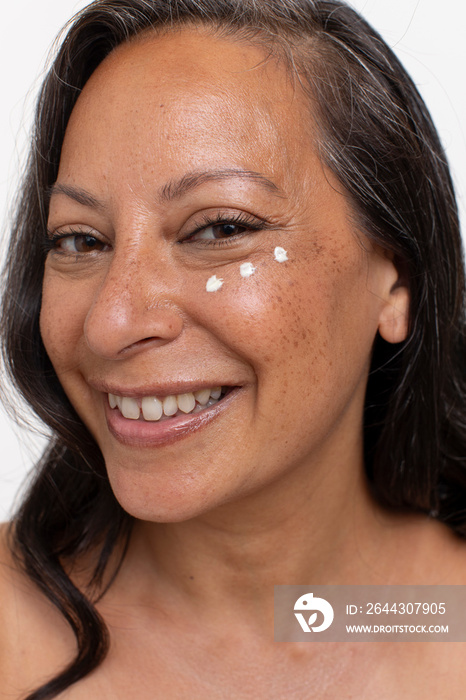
309	528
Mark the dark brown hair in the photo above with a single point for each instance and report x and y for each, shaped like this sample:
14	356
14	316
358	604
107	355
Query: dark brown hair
377	137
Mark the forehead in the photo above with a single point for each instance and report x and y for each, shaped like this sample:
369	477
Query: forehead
190	96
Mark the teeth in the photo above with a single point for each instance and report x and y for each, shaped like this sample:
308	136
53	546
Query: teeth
152	408
186	402
129	408
202	396
170	405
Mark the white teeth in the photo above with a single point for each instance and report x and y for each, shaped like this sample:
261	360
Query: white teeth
129	408
152	408
202	396
170	405
186	402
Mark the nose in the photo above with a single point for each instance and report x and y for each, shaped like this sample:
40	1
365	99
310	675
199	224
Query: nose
135	305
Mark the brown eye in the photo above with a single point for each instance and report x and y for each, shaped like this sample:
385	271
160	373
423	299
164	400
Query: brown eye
216	231
84	244
79	243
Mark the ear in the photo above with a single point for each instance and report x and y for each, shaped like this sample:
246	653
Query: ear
394	314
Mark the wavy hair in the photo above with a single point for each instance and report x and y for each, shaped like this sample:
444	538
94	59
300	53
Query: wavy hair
378	139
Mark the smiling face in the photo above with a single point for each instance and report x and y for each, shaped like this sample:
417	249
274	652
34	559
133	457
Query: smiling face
187	158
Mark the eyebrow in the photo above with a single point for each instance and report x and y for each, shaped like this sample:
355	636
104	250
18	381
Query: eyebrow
174	189
178	188
79	195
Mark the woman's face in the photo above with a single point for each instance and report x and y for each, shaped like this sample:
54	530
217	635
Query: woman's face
185	157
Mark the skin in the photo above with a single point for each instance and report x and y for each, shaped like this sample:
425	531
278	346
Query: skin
130	316
273	489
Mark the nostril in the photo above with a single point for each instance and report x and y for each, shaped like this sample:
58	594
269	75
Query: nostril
144	342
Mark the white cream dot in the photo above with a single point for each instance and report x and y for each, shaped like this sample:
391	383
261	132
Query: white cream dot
280	254
247	269
213	284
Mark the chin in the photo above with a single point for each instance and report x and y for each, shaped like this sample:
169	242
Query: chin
162	500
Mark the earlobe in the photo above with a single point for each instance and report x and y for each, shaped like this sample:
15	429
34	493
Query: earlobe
394	317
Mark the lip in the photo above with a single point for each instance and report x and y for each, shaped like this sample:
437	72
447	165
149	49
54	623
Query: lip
158	390
137	433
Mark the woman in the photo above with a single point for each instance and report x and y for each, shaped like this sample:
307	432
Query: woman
236	297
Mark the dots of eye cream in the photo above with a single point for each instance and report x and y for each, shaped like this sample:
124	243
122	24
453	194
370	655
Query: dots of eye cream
280	254
213	284
247	269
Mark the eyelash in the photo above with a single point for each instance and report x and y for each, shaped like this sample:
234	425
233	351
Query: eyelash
51	240
242	220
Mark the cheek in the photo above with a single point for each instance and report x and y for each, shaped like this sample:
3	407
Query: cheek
248	311
266	319
297	318
61	322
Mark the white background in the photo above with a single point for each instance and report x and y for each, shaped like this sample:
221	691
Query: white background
427	35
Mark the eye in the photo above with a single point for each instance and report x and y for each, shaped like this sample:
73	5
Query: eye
224	227
216	231
75	243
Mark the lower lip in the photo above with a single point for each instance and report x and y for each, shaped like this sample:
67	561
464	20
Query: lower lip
138	433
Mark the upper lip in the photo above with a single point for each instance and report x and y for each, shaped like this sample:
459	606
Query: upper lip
159	390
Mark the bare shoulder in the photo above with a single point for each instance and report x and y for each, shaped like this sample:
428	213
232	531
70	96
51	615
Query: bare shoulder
446	555
10	613
425	551
35	641
11	582
16	590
